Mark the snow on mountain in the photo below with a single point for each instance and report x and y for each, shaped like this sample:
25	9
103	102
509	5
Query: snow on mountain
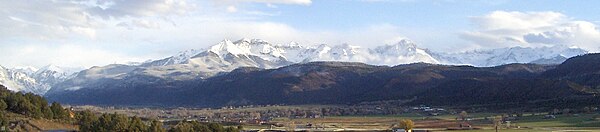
29	70
96	74
402	52
179	58
494	57
228	55
17	81
31	79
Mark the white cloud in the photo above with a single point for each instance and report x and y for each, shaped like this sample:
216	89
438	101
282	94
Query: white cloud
139	23
139	8
231	9
298	2
41	19
502	28
63	55
41	33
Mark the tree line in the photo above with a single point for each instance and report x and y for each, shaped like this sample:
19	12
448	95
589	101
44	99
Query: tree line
35	106
89	122
30	105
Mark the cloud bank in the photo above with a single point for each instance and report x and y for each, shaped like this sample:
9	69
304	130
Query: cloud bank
531	29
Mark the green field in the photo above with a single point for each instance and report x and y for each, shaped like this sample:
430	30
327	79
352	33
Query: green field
526	123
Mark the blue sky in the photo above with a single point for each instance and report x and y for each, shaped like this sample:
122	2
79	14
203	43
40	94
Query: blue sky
99	32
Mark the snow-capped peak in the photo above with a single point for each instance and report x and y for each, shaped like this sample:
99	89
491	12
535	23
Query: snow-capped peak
227	47
260	53
185	55
344	50
26	69
494	57
293	45
248	47
50	67
402	48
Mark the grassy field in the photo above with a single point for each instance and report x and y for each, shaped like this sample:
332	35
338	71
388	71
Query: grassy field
527	123
31	124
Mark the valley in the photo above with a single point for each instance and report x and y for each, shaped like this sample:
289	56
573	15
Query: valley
373	118
299	66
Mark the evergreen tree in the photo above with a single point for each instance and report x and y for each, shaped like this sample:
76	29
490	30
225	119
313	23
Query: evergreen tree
119	122
182	126
156	126
103	124
3	105
200	127
136	125
3	121
87	120
58	111
48	114
231	129
216	127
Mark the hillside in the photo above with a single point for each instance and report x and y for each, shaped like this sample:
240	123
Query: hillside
347	83
29	112
228	55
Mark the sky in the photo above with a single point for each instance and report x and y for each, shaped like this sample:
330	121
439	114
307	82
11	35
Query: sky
85	33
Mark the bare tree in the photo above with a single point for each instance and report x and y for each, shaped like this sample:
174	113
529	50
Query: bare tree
463	115
497	122
406	124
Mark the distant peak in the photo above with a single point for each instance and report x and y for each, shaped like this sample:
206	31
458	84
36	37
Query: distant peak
250	41
51	67
30	68
247	40
405	43
225	41
293	44
345	46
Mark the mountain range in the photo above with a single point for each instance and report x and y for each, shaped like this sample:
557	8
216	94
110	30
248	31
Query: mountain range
572	83
228	55
30	79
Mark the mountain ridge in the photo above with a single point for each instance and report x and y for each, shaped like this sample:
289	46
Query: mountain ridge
325	82
228	55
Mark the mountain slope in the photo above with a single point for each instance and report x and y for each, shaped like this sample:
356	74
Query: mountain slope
228	55
494	57
336	83
34	80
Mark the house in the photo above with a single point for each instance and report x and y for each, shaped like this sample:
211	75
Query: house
549	117
400	130
414	130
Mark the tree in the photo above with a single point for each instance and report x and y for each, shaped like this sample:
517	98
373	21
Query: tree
48	114
566	111
58	111
231	129
216	127
585	109
119	122
103	123
182	126
87	120
3	120
463	115
291	126
136	125
3	105
497	122
156	126
406	124
200	127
